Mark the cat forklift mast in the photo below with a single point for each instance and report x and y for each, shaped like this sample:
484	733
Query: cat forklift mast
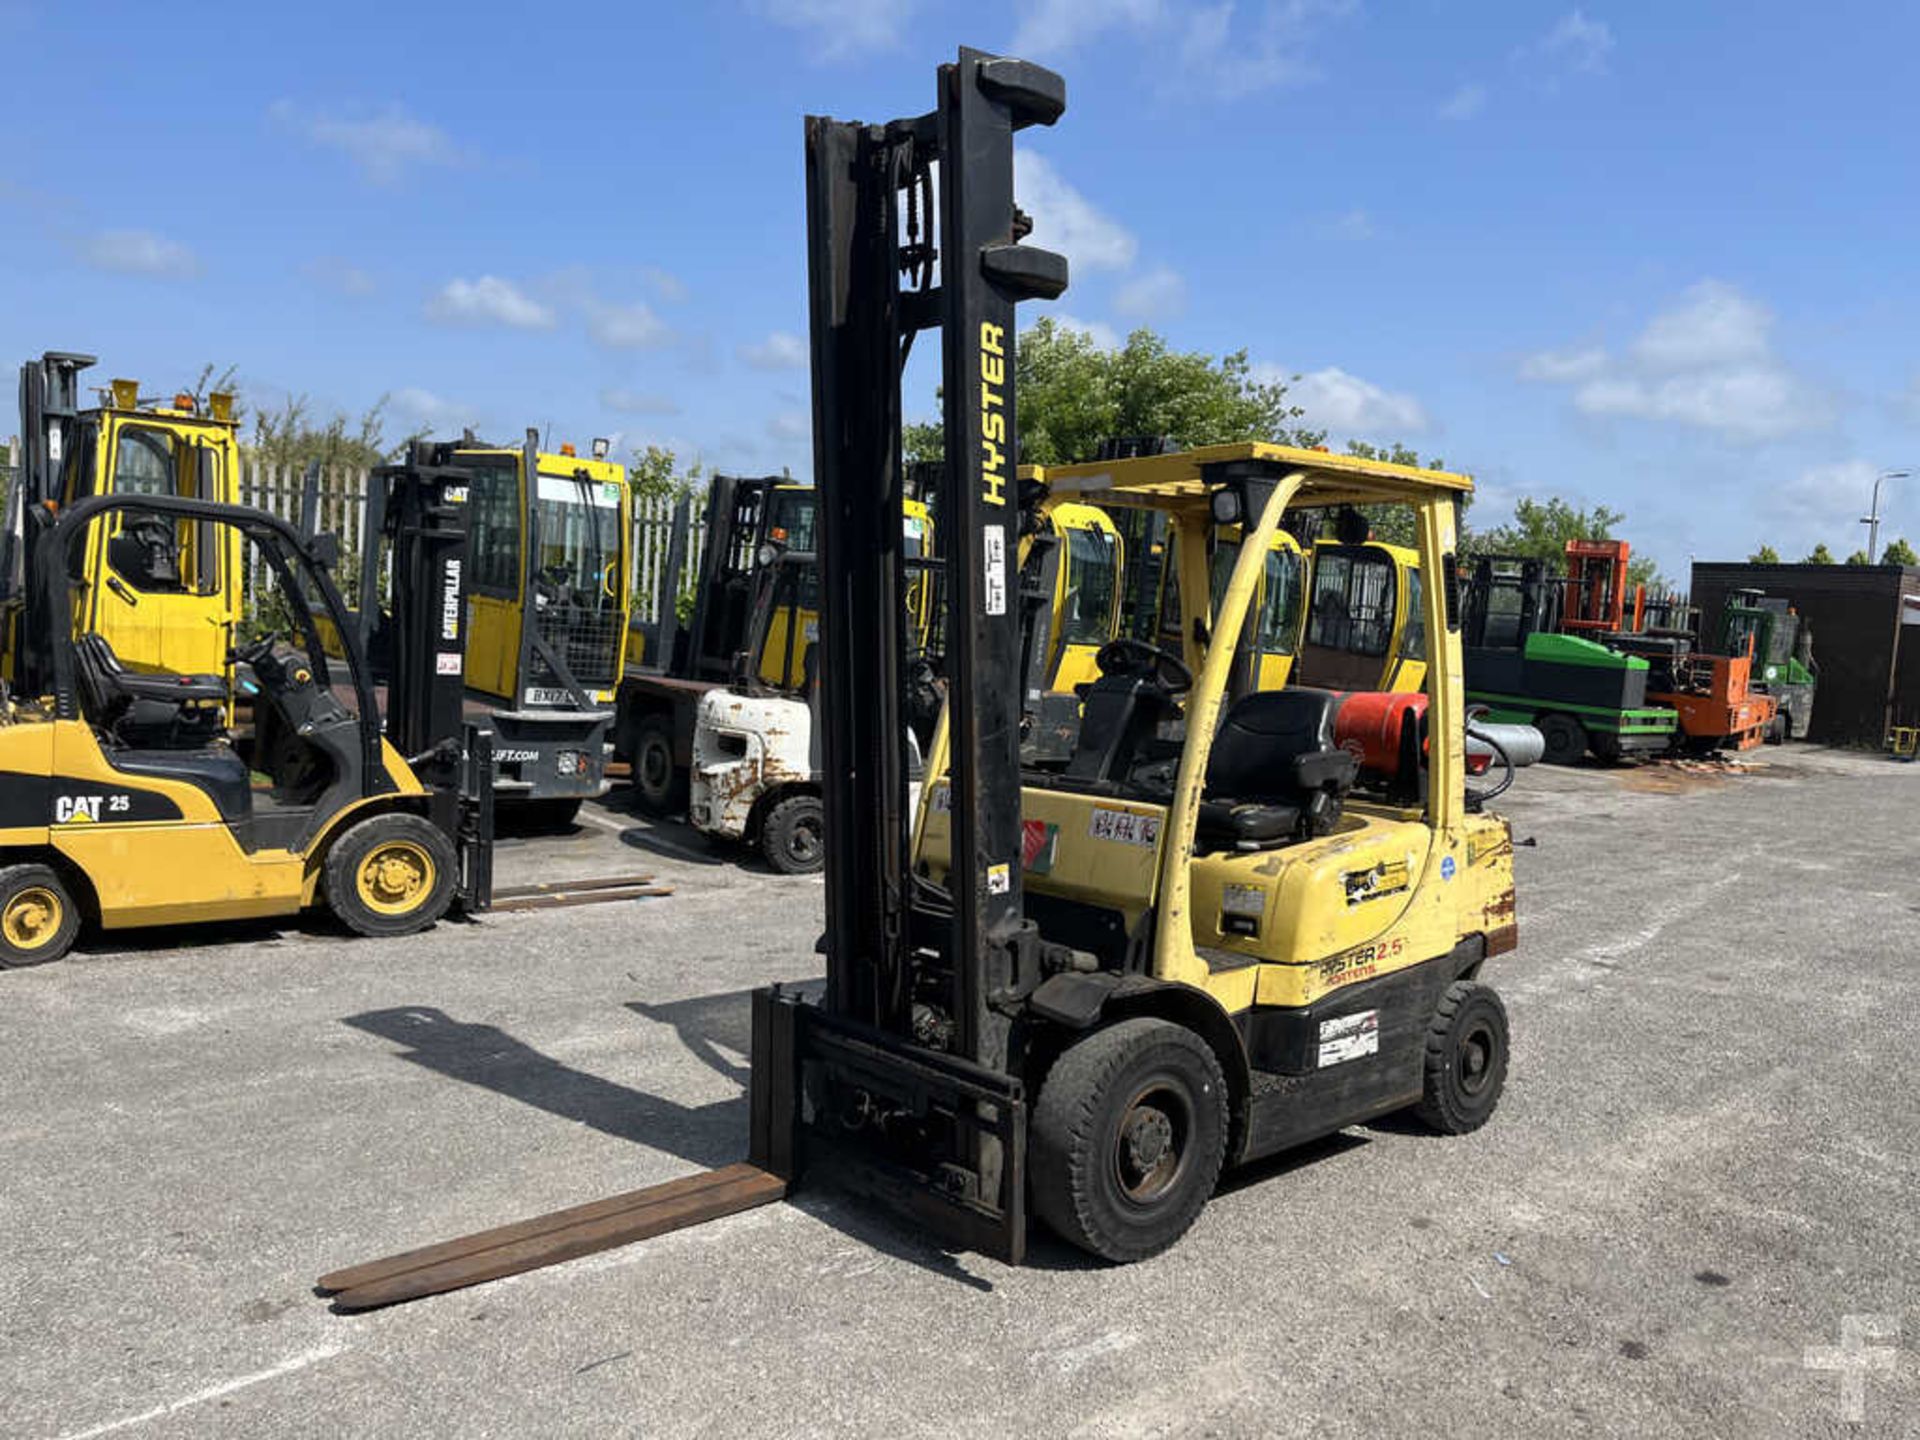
132	800
1090	991
127	445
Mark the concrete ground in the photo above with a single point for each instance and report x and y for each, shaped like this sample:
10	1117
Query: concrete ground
1703	1175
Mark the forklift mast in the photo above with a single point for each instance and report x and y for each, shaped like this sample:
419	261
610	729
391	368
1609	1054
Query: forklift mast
49	411
1596	597
863	320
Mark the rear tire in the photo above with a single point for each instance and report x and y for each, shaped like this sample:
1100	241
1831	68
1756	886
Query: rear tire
1128	1138
1466	1059
793	836
1565	737
390	875
659	784
38	919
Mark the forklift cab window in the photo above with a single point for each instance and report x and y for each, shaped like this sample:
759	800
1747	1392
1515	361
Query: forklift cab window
578	522
1278	615
494	505
790	520
1413	640
1352	603
1504	603
1092	574
143	463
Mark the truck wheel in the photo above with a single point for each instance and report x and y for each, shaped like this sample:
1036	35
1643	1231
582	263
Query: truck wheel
1466	1061
390	875
1566	739
38	919
793	836
1128	1138
1779	728
660	785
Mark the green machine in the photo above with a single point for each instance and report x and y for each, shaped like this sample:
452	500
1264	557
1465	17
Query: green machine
1581	695
1782	656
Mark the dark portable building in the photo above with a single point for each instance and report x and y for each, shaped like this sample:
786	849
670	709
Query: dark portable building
1869	679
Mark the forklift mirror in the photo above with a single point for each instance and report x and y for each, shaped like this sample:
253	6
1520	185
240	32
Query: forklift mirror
1227	507
324	550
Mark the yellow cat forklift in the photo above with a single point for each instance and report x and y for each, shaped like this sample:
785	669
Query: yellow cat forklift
128	797
1084	991
127	445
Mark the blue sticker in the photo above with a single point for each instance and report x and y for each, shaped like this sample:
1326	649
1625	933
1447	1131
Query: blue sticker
1446	867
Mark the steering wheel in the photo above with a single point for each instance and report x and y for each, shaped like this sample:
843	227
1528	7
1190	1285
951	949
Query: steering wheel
255	651
1128	656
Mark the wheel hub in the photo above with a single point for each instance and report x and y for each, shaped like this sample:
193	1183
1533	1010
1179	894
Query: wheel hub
394	877
31	918
1148	1137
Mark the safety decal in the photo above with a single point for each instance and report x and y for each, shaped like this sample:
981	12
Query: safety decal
1124	827
1349	1038
1244	900
994	558
941	801
999	878
1447	867
444	664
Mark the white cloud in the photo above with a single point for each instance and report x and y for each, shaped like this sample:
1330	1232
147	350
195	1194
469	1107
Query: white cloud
779	351
489	301
1707	361
1465	103
139	252
1050	27
1343	403
383	143
1353	225
1104	337
1578	43
790	426
1230	62
1160	294
635	402
332	273
435	414
667	285
1066	221
631	326
842	28
1564	366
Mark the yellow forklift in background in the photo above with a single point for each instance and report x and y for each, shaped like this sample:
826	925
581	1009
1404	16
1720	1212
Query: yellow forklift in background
548	603
1365	625
126	445
130	800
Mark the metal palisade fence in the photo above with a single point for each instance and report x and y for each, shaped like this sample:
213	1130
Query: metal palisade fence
342	508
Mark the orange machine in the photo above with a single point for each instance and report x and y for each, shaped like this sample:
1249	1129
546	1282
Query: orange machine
1711	693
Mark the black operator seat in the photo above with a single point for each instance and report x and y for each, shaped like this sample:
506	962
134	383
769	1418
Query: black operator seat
1275	774
1120	714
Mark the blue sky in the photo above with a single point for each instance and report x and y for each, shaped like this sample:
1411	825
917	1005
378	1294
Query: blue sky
1651	255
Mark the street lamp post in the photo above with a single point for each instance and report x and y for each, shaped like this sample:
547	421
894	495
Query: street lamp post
1872	519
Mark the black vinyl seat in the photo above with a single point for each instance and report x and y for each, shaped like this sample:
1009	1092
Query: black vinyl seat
1274	774
145	711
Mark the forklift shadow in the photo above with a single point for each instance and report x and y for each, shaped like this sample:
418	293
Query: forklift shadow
490	1058
672	840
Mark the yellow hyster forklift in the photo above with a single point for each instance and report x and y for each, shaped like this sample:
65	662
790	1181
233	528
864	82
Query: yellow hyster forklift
1366	623
548	601
1085	990
129	446
131	799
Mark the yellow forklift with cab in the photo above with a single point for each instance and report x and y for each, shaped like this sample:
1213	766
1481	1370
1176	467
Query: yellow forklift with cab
548	604
127	445
130	800
1365	624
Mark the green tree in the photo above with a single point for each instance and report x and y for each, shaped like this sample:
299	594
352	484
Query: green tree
1765	555
1395	524
1073	396
1859	557
1819	555
656	473
1540	530
1900	553
292	437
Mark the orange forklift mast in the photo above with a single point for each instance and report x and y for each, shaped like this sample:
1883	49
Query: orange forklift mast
1712	694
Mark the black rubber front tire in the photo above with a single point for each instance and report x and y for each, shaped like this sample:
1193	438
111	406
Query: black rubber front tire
1565	737
1466	1059
38	919
659	784
366	871
1128	1138
793	836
